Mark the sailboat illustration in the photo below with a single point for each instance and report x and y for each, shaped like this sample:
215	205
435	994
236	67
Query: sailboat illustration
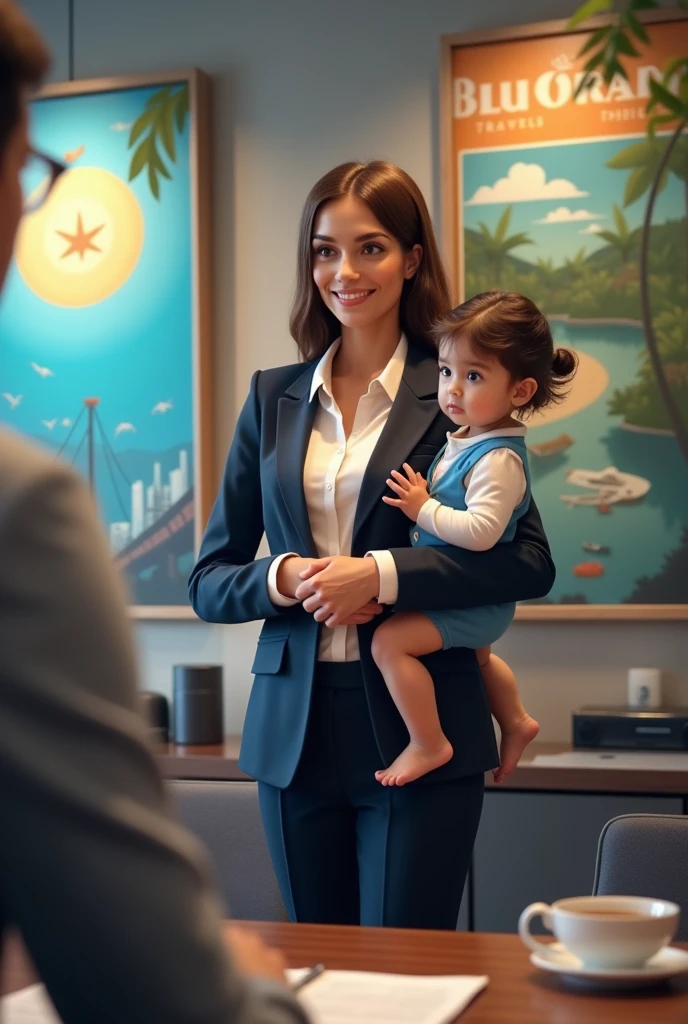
609	486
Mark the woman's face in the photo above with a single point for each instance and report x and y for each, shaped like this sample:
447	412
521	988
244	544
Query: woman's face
358	267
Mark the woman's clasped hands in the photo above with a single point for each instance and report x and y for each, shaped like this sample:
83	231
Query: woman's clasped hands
337	590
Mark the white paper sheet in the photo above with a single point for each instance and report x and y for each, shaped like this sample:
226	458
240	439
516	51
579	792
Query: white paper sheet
630	760
29	1006
340	997
336	997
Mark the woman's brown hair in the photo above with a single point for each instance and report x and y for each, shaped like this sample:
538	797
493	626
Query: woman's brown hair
398	204
511	328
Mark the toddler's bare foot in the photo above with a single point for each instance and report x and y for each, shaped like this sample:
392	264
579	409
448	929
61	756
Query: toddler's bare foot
514	742
415	761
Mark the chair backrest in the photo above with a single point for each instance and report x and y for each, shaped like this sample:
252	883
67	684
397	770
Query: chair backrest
225	817
645	855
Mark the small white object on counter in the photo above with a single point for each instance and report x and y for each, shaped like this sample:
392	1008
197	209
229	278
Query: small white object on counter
644	688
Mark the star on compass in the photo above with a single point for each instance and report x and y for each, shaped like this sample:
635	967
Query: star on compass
81	241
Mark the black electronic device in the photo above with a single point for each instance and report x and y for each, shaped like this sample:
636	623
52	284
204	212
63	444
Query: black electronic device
631	728
197	704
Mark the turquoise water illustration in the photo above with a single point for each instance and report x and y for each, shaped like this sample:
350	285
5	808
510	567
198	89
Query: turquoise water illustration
639	534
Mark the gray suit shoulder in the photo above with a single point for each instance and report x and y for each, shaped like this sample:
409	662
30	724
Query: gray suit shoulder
24	465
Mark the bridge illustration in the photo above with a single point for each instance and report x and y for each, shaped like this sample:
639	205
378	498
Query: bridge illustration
159	528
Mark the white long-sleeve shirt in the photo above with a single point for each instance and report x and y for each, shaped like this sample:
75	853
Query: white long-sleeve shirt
495	486
332	477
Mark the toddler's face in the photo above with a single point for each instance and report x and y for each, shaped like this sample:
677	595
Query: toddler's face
474	389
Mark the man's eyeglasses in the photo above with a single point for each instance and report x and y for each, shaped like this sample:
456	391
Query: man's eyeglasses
38	177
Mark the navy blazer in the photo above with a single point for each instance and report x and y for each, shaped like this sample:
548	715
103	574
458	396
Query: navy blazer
262	491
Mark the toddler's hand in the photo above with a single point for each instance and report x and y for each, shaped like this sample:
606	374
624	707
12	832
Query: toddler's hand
412	491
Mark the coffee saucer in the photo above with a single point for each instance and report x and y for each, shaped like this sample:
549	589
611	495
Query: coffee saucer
665	964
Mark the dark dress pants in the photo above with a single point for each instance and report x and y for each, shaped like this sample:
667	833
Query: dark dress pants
347	850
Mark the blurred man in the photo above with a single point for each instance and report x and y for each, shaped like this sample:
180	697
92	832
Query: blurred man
110	896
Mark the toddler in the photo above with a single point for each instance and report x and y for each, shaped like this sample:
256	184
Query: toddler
496	359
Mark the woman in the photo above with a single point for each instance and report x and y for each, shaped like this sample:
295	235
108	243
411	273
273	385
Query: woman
312	450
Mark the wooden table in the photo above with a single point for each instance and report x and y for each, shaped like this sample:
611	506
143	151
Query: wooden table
219	762
516	994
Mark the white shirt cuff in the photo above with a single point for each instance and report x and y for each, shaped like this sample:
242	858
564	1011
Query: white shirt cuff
389	578
426	516
279	600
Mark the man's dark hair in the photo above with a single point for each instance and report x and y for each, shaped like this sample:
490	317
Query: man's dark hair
24	60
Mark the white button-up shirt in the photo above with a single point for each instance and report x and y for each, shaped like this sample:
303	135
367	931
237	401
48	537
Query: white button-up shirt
332	477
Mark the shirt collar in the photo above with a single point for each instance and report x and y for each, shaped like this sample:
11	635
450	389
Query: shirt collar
389	378
458	437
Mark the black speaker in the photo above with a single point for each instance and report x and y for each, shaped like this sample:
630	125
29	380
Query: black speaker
197	716
156	713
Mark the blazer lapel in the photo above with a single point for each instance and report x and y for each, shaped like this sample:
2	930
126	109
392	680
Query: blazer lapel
295	415
412	413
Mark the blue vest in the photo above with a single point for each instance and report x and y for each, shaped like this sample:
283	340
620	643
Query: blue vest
450	488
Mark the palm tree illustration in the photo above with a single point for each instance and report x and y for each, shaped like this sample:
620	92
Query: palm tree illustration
650	161
496	246
549	273
623	240
577	264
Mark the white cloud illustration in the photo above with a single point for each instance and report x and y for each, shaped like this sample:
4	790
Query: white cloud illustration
523	184
562	215
592	229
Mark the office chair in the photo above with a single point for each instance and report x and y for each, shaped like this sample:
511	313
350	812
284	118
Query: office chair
645	855
225	817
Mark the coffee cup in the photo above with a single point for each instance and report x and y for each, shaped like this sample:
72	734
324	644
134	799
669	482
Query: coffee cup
604	931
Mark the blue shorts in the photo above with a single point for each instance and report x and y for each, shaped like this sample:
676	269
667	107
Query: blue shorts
473	627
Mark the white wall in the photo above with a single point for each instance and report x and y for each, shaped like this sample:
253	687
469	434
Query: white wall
299	87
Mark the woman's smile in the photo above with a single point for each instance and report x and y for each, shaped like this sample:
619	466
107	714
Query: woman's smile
352	298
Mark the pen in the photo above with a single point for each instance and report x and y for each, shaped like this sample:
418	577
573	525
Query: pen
311	974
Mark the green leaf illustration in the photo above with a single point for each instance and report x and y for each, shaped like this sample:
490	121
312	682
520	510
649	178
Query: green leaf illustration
625	46
612	69
678	64
139	126
159	97
655	122
153	181
639	181
156	162
588	10
139	159
167	131
166	110
597	37
181	108
503	224
621	222
635	155
636	27
667	99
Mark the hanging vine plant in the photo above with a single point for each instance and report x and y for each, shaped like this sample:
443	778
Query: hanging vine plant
164	116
